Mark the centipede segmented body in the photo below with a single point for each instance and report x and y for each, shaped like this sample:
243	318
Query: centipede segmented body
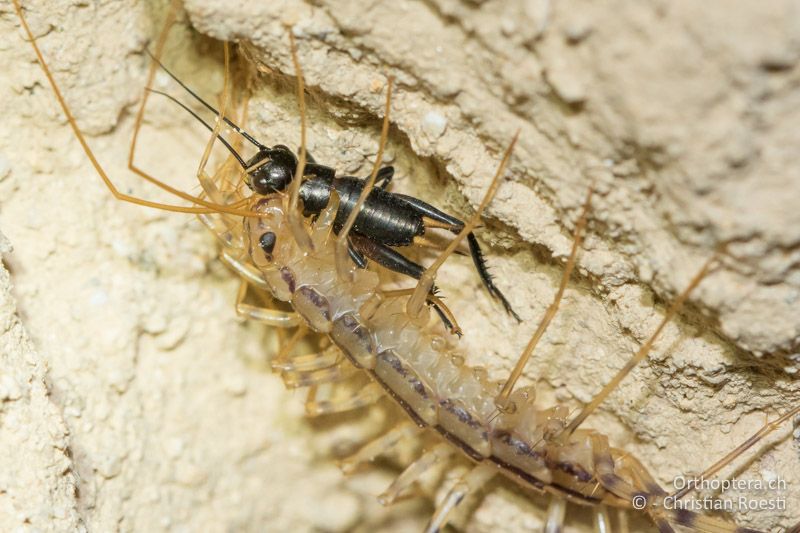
408	357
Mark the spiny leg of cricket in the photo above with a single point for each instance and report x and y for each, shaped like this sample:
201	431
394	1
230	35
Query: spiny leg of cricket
693	162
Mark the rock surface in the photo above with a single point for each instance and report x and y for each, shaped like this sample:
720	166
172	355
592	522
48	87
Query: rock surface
149	401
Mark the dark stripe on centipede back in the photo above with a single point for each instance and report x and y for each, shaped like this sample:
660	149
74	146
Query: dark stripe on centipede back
402	379
355	340
535	483
682	517
663	526
463	446
402	403
576	471
520	446
314	307
642	497
459	422
288	277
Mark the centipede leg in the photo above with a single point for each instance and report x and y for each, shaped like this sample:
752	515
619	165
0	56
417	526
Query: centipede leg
365	396
283	355
379	446
331	374
445	314
271	317
343	245
291	208
502	400
556	511
476	478
246	271
602	524
414	471
765	430
622	521
646	492
309	362
426	281
643	351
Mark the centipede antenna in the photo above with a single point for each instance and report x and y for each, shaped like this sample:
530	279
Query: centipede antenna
292	212
643	351
203	122
342	244
215	133
425	284
208	207
766	429
205	104
501	401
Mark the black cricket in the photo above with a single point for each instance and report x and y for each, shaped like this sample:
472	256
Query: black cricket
386	220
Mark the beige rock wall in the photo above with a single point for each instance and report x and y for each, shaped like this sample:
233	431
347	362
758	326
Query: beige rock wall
150	399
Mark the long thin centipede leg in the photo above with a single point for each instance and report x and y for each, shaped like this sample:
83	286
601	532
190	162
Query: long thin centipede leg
241	266
365	396
501	401
417	300
291	201
271	317
379	446
643	351
283	355
309	362
331	374
556	511
342	243
205	206
765	430
476	478
412	473
622	521
602	524
647	493
434	218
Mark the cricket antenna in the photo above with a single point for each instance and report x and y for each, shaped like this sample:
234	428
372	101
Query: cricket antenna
204	123
208	106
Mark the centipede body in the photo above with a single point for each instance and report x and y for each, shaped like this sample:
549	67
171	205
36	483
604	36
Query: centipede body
659	398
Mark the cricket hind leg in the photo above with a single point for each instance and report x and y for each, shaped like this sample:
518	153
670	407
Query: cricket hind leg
385	256
486	278
426	282
397	262
440	219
